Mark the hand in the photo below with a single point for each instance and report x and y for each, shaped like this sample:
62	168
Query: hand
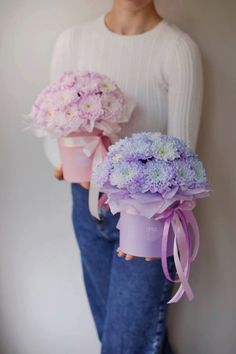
128	257
58	173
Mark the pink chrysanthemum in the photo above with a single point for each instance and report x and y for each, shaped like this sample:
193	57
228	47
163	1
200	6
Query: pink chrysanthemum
80	101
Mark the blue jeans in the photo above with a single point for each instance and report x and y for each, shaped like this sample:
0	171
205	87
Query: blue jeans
128	299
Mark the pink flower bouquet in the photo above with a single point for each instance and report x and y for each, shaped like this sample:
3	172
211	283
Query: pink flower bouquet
84	111
80	102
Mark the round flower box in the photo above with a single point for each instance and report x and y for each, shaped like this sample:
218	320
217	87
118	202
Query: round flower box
77	154
142	237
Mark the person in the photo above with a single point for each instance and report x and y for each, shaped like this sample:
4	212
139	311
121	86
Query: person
159	65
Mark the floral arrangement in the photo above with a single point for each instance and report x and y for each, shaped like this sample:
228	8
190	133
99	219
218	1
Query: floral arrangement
83	111
153	180
152	162
80	101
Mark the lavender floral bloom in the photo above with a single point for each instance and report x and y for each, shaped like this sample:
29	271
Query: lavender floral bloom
152	162
184	174
128	175
199	173
137	150
102	172
153	145
159	176
164	150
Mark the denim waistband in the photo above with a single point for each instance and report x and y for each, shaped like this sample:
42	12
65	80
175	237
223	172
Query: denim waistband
79	187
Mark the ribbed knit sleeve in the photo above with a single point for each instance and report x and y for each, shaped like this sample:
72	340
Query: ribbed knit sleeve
185	89
61	60
62	54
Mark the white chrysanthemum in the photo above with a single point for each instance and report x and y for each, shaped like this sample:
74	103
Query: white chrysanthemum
49	114
90	106
116	158
111	104
71	112
86	85
107	85
199	171
164	150
64	97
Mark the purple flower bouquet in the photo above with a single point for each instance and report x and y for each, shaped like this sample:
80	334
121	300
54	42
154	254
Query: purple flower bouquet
84	111
153	180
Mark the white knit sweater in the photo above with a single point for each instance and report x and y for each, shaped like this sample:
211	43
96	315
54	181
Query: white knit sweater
161	69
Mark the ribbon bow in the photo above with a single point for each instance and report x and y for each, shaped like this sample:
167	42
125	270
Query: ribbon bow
179	217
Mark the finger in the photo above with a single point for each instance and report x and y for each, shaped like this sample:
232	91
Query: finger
128	257
121	254
106	207
59	177
151	258
58	173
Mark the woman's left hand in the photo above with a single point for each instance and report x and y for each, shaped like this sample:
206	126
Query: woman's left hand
128	257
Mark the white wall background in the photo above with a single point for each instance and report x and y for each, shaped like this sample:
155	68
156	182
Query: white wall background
43	308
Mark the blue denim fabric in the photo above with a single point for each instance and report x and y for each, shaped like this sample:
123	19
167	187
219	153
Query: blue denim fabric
128	299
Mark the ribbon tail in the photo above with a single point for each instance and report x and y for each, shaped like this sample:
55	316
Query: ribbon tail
102	202
91	145
93	200
196	233
98	157
118	224
181	247
164	250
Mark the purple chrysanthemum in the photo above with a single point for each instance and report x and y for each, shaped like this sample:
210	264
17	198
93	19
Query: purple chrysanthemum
102	172
153	162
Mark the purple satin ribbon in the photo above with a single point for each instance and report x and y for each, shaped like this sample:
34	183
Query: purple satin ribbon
185	249
179	217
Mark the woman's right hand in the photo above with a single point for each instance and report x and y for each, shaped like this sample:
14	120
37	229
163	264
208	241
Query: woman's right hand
58	173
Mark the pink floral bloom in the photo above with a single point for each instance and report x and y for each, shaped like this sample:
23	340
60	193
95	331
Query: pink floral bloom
90	107
80	101
107	85
85	85
65	97
111	103
67	78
